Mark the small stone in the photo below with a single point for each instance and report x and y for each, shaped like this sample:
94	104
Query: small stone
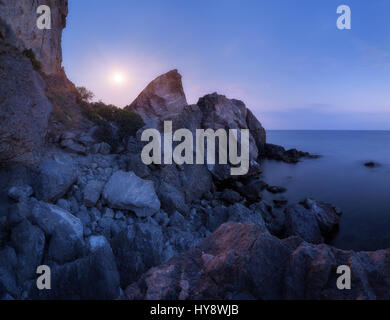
371	164
275	189
64	204
105	148
119	215
108	213
17	193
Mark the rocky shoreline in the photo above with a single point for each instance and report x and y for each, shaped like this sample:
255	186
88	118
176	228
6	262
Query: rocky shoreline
111	227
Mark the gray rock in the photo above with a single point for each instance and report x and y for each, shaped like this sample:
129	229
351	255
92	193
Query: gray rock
54	179
161	100
236	258
328	217
303	223
311	274
241	258
20	211
72	146
16	193
8	265
46	47
126	191
312	220
108	213
65	246
252	189
94	277
105	148
95	214
275	189
106	226
216	217
162	218
51	218
137	249
64	204
92	192
220	112
172	199
257	131
29	244
136	165
240	213
274	218
119	215
84	216
86	140
230	196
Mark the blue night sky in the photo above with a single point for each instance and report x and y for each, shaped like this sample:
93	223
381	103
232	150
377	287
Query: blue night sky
284	58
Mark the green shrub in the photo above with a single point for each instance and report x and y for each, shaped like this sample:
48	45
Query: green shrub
31	55
127	122
85	94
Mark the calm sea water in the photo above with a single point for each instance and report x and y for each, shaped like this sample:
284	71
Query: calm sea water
340	178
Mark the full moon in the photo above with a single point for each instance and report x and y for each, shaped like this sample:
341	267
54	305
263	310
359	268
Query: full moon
118	78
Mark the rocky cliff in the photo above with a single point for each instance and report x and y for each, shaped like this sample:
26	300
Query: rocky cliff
21	16
111	227
32	79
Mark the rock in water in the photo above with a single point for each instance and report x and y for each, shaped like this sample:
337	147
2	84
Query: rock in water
220	112
163	99
126	191
312	220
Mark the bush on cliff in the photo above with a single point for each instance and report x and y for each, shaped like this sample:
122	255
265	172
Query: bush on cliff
115	124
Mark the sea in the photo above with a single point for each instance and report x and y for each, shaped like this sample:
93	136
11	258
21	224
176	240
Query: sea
339	177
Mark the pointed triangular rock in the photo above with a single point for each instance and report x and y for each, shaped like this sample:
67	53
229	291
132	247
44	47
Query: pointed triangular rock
163	99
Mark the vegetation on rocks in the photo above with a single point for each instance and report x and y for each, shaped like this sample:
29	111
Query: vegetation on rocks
115	124
31	55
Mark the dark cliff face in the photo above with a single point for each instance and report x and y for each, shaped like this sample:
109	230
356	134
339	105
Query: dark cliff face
21	17
28	58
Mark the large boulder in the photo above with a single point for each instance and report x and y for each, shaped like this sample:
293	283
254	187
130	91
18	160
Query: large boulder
29	243
137	249
163	99
93	277
311	220
54	178
311	274
241	261
92	192
127	191
303	223
220	112
52	219
278	153
328	216
172	199
8	265
237	258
